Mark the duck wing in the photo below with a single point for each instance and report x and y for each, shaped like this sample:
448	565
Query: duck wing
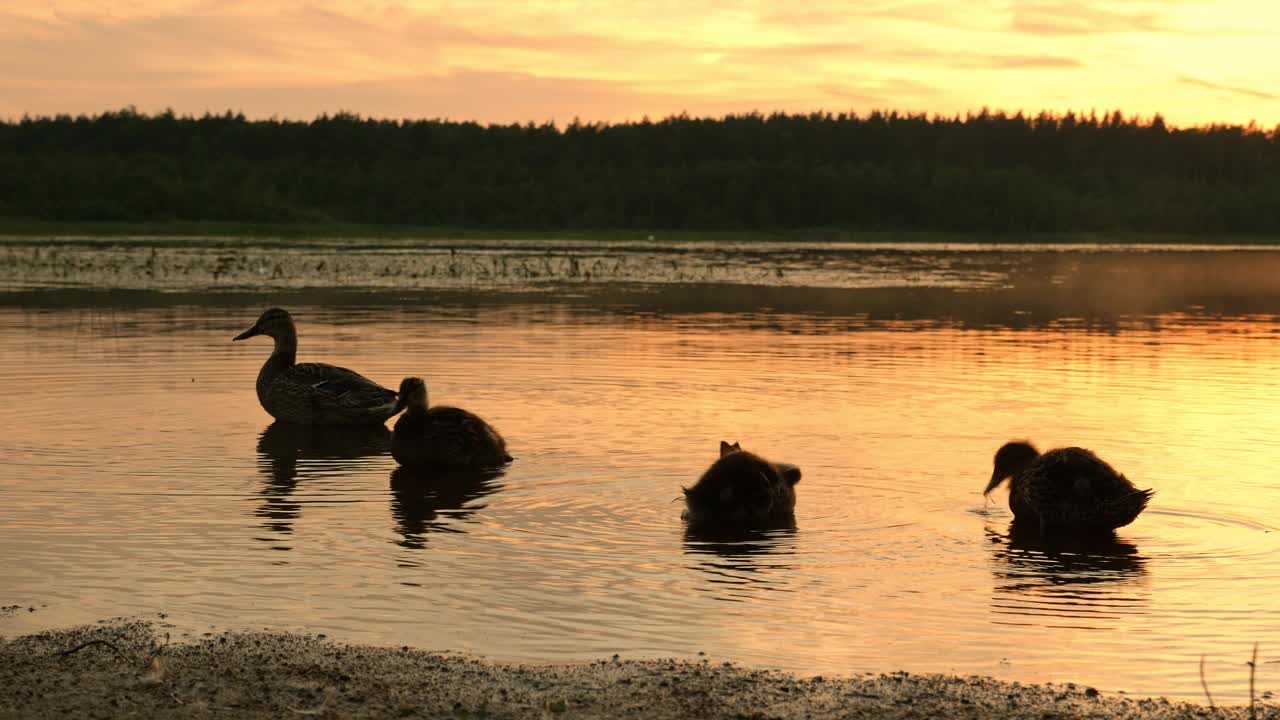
1072	487
332	394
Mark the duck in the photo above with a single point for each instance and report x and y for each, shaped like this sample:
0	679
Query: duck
313	393
742	489
1066	490
442	436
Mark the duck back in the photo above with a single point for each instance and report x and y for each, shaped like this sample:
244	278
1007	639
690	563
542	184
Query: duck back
742	488
322	394
1074	488
449	437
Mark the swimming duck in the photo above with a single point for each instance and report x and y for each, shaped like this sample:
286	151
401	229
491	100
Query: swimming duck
744	489
313	393
1068	489
442	436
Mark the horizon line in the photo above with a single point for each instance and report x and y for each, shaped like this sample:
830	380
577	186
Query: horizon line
1093	114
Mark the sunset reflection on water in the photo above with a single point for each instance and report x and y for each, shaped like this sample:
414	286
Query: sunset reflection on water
143	477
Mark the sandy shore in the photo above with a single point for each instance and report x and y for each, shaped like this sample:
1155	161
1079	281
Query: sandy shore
130	670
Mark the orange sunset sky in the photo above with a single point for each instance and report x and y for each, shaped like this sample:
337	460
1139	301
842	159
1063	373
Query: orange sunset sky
1195	61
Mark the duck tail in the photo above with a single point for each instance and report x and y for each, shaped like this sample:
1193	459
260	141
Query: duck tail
1125	509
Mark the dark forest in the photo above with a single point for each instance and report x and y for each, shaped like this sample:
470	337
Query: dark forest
985	172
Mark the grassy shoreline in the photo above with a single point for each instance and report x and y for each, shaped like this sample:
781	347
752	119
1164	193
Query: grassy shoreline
130	668
180	229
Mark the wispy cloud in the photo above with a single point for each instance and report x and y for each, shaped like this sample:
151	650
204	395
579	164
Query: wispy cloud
826	14
984	61
1063	17
895	93
1028	62
1187	79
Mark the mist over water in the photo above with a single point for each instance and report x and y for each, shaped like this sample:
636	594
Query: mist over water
143	477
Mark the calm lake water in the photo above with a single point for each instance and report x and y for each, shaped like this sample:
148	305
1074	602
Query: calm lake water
142	477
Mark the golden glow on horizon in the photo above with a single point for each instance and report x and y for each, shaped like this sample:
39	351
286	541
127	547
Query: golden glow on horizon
1194	61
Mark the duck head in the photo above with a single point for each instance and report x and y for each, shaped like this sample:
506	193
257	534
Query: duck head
275	323
1012	458
412	394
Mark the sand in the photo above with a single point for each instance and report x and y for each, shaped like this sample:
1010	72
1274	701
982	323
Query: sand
129	669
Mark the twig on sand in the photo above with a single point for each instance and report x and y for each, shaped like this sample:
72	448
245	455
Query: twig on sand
158	649
155	668
1253	667
1204	684
91	643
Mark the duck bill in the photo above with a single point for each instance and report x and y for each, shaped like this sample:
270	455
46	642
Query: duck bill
247	333
401	402
996	479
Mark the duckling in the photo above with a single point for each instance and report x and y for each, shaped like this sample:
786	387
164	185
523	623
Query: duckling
1065	490
313	393
442	436
744	489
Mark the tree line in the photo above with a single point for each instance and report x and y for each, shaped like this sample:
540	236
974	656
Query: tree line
982	172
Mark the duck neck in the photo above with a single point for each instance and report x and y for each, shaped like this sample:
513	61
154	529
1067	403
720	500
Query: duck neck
283	357
1015	478
413	417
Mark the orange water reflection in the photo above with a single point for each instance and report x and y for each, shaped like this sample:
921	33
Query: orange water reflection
437	500
141	479
288	452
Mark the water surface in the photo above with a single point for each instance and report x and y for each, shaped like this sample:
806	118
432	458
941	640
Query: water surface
142	477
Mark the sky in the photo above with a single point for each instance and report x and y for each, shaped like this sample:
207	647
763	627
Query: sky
1194	61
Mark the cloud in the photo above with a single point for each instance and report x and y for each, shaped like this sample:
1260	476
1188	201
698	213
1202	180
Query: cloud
1063	17
801	49
886	94
1017	62
78	50
297	60
842	14
1188	80
981	61
852	51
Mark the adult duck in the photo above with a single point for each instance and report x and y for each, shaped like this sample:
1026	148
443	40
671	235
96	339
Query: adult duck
313	393
1067	490
442	436
742	489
